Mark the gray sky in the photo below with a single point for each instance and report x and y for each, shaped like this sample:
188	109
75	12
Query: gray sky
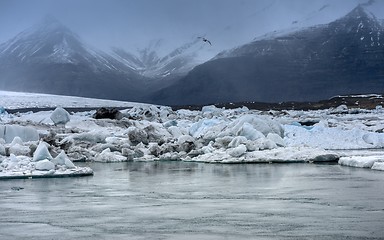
132	24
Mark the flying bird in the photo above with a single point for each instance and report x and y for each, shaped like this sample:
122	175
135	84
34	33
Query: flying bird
324	7
206	40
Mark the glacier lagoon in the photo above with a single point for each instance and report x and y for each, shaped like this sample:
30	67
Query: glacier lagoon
186	200
193	200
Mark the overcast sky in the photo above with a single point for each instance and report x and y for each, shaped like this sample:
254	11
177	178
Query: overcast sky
133	24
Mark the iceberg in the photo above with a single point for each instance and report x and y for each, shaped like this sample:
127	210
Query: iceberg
378	166
45	165
60	116
63	160
42	152
108	156
25	133
373	162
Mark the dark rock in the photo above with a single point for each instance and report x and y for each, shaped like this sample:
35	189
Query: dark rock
308	122
111	113
326	158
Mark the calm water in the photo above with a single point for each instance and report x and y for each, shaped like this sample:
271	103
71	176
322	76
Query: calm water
176	200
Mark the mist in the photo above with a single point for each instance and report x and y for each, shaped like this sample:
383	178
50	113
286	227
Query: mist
133	25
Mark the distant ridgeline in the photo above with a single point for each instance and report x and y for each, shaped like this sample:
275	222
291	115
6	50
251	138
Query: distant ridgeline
343	57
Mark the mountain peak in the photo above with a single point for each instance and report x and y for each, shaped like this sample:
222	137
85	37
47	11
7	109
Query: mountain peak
50	19
359	20
49	40
50	23
359	12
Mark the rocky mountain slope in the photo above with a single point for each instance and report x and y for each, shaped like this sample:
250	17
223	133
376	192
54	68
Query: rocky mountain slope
343	57
49	58
174	64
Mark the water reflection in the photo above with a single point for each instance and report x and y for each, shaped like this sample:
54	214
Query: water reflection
181	200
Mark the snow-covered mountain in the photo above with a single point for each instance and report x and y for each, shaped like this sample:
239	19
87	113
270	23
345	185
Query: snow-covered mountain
50	58
358	27
52	42
174	64
343	57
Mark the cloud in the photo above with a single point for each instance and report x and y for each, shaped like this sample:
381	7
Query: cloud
369	3
133	24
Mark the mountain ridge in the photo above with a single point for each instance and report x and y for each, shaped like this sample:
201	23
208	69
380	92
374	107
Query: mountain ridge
176	63
315	63
49	58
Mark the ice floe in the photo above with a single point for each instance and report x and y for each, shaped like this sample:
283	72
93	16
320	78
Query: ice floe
372	162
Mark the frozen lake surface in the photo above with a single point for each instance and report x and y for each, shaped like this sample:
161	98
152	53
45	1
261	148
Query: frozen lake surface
179	200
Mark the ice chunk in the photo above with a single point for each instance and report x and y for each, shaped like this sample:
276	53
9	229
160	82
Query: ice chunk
9	132
210	108
17	140
108	156
148	112
376	139
378	166
208	149
137	135
288	154
360	161
201	127
276	139
10	163
165	113
154	149
60	116
340	109
41	152
94	136
157	133
261	124
238	151
19	150
210	111
186	143
170	123
248	131
45	165
265	143
60	159
128	153
222	142
175	131
236	141
332	137
69	163
2	150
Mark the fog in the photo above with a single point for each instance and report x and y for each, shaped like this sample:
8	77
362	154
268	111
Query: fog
135	24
